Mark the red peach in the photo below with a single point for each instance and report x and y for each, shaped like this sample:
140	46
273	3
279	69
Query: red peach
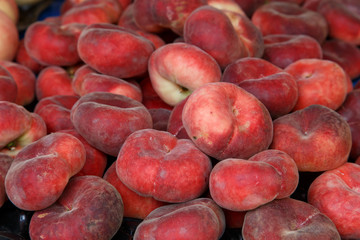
290	18
150	98
336	194
347	55
89	208
177	69
200	217
316	137
284	49
52	81
175	125
22	57
224	121
18	128
98	115
242	185
288	219
25	81
135	206
157	164
55	111
50	43
275	88
40	171
97	45
202	30
319	81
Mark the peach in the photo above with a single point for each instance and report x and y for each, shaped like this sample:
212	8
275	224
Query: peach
52	81
288	219
175	125
89	207
40	171
316	137
202	30
284	49
98	42
95	162
22	57
347	55
18	128
349	111
241	185
177	69
228	5
336	194
290	18
55	111
200	217
5	161
157	164
50	43
9	38
173	14
319	81
274	87
98	115
343	19
97	82
92	11
135	205
8	86
150	98
144	18
224	121
25	81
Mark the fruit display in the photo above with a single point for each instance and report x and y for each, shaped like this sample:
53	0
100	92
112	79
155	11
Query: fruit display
182	119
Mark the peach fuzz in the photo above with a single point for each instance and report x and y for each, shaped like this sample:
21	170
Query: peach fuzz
336	194
52	81
98	115
289	18
316	137
98	42
89	208
319	81
274	87
288	219
200	217
284	49
5	162
202	30
9	38
343	19
8	86
135	205
50	43
95	162
18	128
55	111
157	164
224	120
25	81
241	185
177	69
55	158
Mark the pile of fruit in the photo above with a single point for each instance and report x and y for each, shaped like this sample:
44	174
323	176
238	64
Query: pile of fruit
201	119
